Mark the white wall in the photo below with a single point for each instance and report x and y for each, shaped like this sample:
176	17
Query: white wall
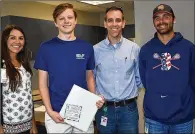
184	12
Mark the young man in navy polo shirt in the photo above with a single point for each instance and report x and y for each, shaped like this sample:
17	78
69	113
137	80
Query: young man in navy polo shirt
66	60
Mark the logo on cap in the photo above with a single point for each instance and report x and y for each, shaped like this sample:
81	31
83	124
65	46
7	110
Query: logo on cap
161	7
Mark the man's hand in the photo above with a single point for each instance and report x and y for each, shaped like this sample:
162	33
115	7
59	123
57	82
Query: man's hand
100	103
56	117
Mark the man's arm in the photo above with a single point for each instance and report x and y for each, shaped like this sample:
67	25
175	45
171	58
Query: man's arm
141	93
140	100
44	91
91	87
193	69
142	67
91	81
136	69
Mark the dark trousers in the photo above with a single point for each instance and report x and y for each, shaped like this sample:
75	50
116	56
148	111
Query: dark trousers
121	120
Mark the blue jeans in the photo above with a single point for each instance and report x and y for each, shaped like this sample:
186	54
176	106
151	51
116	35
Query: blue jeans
155	127
121	120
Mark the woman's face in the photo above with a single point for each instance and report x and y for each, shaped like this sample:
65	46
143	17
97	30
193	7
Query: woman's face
15	42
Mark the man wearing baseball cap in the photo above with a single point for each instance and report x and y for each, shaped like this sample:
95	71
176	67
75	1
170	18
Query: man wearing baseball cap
167	70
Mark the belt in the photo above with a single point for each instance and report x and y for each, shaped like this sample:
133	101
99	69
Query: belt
120	103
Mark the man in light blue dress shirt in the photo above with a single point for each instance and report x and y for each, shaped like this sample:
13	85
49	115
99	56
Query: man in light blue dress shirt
117	77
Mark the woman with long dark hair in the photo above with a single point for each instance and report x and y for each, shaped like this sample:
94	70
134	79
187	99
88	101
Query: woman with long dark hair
17	104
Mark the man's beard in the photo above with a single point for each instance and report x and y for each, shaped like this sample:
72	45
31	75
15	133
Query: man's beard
169	29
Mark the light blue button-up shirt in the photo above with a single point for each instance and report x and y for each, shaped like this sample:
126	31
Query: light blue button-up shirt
116	69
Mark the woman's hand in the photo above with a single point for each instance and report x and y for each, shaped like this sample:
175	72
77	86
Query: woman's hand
34	130
1	130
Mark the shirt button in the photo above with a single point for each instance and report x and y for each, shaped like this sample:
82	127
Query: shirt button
116	71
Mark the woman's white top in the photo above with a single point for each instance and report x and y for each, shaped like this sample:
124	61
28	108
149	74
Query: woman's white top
18	105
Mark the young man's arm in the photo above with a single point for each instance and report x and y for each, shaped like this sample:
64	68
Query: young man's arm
91	81
91	87
44	91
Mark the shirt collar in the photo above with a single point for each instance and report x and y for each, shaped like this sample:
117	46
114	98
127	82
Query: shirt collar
107	42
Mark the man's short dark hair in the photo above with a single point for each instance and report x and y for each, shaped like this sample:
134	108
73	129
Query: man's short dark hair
114	8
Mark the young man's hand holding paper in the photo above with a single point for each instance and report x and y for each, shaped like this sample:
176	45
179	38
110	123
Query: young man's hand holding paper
80	107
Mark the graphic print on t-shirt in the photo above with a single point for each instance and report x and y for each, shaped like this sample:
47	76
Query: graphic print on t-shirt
166	59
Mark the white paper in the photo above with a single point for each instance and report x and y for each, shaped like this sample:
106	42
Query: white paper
3	75
80	108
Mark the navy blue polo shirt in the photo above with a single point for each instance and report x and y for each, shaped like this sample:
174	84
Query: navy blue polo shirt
66	63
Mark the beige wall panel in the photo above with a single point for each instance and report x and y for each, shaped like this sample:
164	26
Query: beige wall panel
27	9
43	11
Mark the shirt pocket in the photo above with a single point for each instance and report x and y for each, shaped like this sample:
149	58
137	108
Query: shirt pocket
129	66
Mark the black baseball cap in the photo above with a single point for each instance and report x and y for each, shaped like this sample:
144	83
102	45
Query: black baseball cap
163	8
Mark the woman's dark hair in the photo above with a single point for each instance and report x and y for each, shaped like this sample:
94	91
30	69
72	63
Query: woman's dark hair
22	57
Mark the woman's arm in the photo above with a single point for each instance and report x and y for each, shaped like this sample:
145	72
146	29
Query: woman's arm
1	129
34	127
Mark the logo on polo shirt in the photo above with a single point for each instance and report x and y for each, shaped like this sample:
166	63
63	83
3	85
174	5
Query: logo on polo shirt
80	56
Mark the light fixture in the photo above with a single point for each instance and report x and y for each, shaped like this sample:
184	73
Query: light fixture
97	2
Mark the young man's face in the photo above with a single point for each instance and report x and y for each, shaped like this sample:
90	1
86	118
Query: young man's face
163	22
114	23
66	22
